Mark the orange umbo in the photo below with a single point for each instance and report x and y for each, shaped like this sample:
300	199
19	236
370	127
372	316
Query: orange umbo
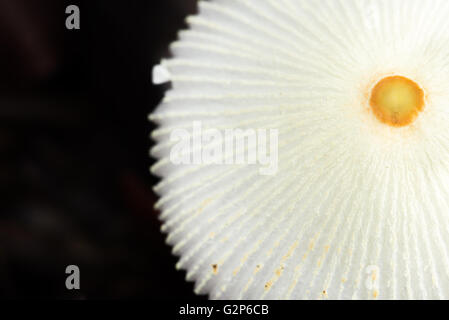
397	101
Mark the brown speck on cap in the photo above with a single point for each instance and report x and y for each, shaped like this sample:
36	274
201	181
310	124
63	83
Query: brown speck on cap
215	268
267	285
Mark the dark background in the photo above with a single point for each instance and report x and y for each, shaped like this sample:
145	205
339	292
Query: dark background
75	186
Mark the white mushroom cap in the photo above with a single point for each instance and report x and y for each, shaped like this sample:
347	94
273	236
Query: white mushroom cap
358	203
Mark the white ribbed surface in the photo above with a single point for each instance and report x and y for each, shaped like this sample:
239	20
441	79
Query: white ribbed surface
350	192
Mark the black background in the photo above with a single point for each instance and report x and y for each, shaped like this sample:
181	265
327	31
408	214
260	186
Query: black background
75	186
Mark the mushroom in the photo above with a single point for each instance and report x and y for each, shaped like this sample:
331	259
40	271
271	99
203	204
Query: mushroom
349	100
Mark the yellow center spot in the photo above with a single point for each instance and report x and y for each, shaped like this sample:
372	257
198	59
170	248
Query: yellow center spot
397	101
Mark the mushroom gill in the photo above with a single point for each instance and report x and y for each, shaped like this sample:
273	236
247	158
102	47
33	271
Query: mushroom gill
351	98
